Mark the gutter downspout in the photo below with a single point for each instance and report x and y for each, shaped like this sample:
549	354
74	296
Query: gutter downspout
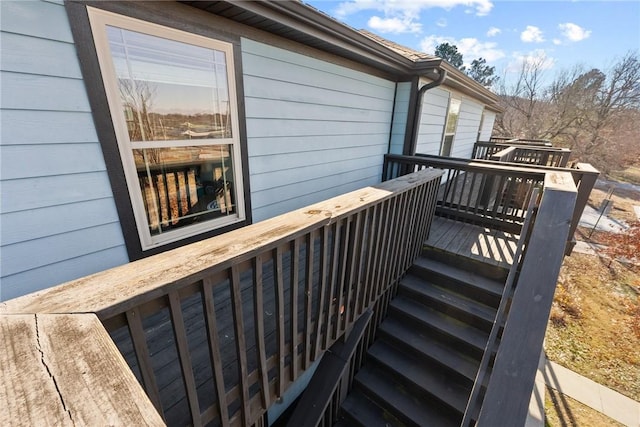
415	128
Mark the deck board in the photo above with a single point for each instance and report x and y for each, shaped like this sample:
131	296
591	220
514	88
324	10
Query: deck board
493	247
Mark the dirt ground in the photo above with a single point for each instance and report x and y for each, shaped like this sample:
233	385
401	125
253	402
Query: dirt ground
594	326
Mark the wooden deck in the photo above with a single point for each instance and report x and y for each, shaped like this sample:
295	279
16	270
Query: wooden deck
493	247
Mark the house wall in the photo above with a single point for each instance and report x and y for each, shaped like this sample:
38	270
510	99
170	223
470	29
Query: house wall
400	113
467	129
434	112
487	125
314	129
58	219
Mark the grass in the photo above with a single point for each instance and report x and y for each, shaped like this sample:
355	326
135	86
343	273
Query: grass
563	411
623	202
594	326
631	174
593	323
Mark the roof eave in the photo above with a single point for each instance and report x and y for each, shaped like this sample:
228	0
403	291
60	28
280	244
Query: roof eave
356	46
303	18
459	80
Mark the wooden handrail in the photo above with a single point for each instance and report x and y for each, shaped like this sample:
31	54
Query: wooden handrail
311	273
517	358
501	313
63	369
504	155
511	140
544	156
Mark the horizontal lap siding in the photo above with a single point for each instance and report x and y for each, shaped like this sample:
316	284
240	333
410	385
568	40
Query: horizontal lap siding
58	216
467	130
400	113
434	112
314	129
487	125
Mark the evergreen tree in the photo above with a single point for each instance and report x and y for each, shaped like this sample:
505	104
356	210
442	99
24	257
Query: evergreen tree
482	73
479	71
449	52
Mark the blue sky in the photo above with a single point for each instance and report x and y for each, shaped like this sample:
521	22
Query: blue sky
561	34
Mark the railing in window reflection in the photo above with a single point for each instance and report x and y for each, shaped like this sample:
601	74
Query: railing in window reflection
184	185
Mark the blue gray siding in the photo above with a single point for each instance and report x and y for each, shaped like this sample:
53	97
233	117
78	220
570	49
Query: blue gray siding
467	129
58	217
400	112
434	112
315	129
487	125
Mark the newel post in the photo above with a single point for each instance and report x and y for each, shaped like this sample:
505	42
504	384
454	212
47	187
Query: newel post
507	398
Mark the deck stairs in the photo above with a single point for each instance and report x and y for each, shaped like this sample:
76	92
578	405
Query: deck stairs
422	365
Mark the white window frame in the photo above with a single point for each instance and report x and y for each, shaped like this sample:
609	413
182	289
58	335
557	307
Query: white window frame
99	19
452	99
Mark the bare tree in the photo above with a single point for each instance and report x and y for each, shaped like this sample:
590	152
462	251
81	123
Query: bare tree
594	113
137	97
521	101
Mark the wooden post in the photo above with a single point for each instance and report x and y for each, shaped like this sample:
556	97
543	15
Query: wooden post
587	179
507	397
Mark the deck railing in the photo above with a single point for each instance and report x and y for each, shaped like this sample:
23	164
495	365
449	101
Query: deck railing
492	193
521	141
218	330
488	194
543	156
506	399
526	309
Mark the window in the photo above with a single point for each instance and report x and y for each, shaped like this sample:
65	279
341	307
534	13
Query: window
172	99
450	127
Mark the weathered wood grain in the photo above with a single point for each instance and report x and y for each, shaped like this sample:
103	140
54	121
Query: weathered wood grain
65	370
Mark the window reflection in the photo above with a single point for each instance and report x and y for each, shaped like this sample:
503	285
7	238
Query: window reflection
170	90
185	185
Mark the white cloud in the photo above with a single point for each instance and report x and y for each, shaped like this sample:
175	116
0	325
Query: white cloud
441	22
470	48
532	35
557	42
537	58
573	32
394	25
394	8
493	31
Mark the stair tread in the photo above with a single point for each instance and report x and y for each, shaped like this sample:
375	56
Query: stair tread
493	286
419	286
440	321
434	382
365	412
408	407
429	347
